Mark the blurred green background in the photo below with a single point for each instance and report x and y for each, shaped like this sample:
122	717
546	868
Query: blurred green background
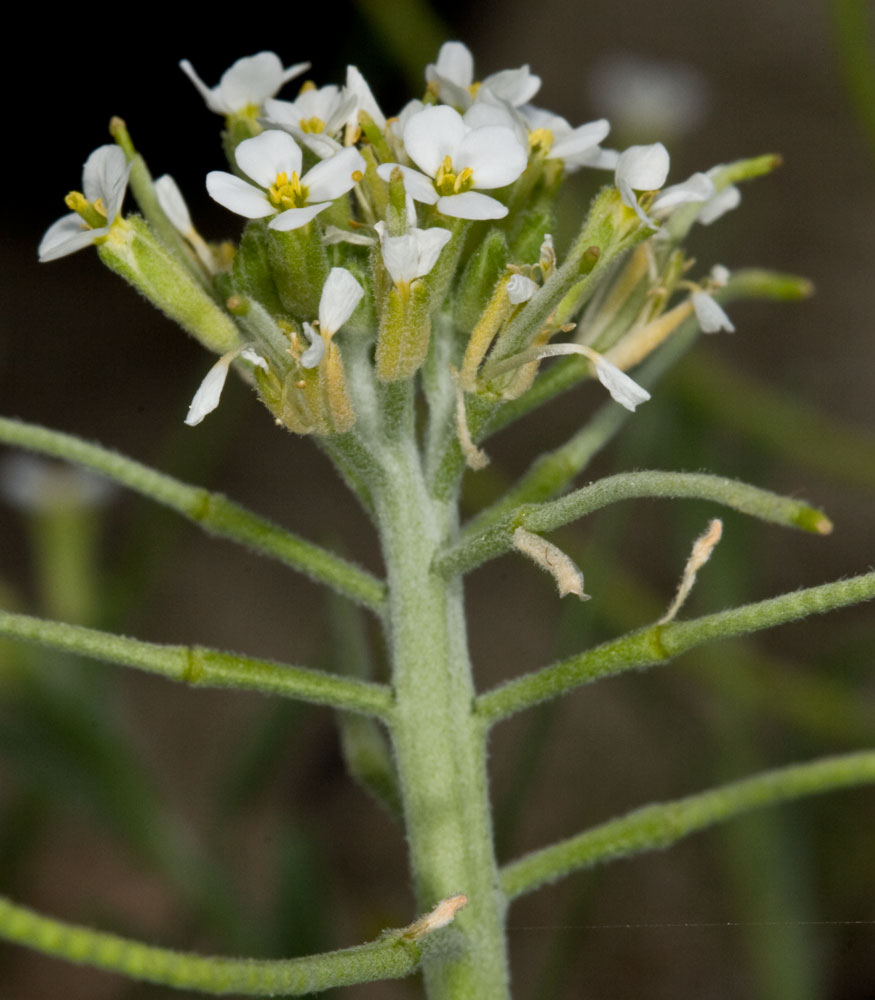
224	823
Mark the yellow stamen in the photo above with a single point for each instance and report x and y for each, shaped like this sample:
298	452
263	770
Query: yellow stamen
541	139
314	124
287	192
448	182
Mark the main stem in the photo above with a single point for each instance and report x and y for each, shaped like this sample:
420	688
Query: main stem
440	746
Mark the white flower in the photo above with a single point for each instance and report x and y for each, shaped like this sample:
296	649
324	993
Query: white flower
519	289
452	77
412	255
104	180
206	399
576	147
341	293
641	168
273	160
247	84
314	118
456	159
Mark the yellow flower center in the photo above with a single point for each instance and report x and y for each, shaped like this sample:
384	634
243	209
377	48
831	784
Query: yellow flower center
314	124
287	192
541	140
448	182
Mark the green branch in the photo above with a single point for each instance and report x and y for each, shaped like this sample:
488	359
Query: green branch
662	824
202	667
211	511
661	643
471	551
391	956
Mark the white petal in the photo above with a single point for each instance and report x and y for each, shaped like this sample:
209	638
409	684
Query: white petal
206	399
494	112
710	314
294	218
623	389
237	196
412	255
719	275
365	99
172	203
341	293
494	154
722	202
399	256
254	357
455	63
65	236
268	154
334	234
206	93
471	205
643	168
331	178
417	185
598	158
250	80
699	187
316	351
430	243
296	69
105	176
516	86
433	134
520	289
580	139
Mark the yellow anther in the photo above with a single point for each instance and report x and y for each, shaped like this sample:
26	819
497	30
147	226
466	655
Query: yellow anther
357	175
314	124
307	85
286	191
464	180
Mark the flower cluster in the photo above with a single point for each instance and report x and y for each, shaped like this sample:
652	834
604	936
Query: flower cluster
389	229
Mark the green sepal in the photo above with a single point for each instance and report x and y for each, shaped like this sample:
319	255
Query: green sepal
536	223
396	209
299	265
132	250
405	328
251	274
485	266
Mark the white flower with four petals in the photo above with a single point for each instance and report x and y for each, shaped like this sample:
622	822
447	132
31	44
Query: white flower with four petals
245	85
273	160
456	162
104	181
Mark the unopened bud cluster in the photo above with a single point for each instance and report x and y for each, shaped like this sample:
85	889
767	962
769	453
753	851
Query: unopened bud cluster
375	246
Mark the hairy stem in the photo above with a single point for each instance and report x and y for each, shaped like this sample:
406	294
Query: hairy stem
662	824
661	643
471	551
391	956
202	667
213	512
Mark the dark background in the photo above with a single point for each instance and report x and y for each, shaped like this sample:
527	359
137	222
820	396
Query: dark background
80	352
